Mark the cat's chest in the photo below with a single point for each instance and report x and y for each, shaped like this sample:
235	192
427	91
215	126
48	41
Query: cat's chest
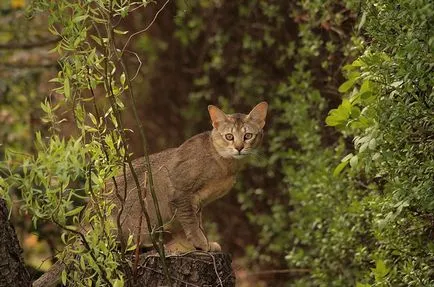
214	190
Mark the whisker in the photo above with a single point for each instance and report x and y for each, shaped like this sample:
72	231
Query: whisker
257	154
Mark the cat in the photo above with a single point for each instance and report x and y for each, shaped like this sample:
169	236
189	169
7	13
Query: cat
188	177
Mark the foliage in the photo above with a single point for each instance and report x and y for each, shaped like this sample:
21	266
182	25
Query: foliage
391	84
367	224
65	174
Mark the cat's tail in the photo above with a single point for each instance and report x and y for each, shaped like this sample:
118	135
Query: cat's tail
51	277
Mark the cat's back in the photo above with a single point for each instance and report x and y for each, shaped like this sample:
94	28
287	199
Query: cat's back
195	148
193	163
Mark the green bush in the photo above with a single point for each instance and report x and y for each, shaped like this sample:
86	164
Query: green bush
368	225
389	110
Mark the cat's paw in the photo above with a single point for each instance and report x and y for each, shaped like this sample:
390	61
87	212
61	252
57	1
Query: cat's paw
214	247
210	247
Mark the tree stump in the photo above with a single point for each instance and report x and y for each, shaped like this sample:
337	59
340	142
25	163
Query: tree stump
207	269
12	270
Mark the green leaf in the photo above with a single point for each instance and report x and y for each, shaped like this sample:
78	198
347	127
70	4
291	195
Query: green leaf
340	115
380	270
82	263
361	23
63	277
355	112
96	39
92	118
66	88
354	161
346	86
347	157
120	32
79	18
132	247
372	144
339	168
118	283
45	107
122	79
74	211
366	86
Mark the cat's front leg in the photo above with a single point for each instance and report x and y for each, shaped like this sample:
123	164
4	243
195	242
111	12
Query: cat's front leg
185	213
213	246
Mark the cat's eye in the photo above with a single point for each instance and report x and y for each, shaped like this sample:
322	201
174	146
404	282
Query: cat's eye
248	136
229	137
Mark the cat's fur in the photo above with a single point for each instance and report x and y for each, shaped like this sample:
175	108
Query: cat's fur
187	178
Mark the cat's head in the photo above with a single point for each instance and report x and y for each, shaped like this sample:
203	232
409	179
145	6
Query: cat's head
237	135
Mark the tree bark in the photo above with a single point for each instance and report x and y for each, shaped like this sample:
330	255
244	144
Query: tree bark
191	269
12	270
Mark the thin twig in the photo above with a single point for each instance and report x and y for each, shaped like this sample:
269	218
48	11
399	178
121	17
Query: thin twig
136	261
140	64
145	29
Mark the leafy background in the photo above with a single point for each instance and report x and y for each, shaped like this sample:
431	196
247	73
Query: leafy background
342	192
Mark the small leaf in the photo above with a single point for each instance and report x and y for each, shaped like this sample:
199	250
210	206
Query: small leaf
363	147
354	161
396	84
63	277
118	283
122	79
66	88
380	270
120	32
82	263
74	211
79	18
96	39
361	23
132	247
339	168
340	115
92	118
45	107
366	86
354	75
372	144
365	95
355	112
376	156
347	157
346	86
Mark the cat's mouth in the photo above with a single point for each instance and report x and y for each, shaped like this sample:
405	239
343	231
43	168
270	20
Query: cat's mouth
240	155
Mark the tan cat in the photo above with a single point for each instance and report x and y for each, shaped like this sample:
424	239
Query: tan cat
187	178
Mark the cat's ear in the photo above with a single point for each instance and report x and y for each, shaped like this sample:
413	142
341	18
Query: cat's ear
216	115
258	114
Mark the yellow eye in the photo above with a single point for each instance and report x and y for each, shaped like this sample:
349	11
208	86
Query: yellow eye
248	136
229	137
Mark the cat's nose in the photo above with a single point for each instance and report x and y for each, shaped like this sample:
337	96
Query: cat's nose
239	148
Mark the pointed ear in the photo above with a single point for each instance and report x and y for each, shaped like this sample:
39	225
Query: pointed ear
216	115
258	114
